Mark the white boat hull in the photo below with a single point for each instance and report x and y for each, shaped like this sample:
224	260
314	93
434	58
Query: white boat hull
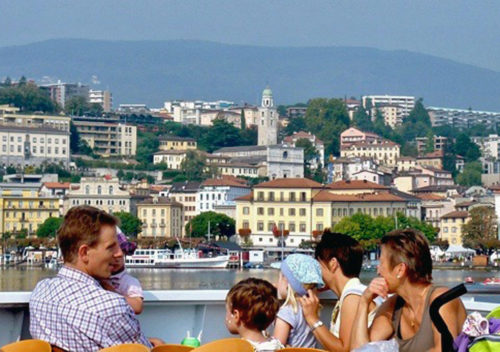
219	262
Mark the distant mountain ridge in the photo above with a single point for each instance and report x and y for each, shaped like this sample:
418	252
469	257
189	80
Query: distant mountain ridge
154	71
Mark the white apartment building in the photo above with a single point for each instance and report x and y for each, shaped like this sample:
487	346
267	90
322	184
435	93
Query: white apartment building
407	103
101	192
315	141
101	97
23	146
61	92
490	146
219	192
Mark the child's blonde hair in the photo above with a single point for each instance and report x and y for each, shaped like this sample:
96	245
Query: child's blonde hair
291	296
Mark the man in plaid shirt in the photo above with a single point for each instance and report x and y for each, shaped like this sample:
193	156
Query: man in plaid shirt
72	311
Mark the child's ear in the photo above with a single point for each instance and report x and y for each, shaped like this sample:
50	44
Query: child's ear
236	316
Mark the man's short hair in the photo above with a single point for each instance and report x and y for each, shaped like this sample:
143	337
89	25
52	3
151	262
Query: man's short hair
257	302
409	246
81	225
344	248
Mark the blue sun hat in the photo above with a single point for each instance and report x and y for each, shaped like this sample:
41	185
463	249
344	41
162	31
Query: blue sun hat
300	269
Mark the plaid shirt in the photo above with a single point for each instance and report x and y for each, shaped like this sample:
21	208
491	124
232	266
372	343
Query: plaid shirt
72	311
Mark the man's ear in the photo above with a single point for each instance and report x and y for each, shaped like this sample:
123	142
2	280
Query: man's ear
83	253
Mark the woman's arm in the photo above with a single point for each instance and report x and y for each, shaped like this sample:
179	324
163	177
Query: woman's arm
453	314
281	331
381	328
329	341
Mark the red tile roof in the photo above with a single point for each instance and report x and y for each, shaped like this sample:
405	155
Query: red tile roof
355	184
383	143
456	214
248	196
429	196
290	183
326	196
65	185
225	181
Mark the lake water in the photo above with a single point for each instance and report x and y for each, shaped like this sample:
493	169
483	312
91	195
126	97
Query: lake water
25	279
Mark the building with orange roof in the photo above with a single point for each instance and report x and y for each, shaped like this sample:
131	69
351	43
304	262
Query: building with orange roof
303	207
355	143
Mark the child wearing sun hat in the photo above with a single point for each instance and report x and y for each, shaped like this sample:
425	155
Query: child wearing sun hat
299	273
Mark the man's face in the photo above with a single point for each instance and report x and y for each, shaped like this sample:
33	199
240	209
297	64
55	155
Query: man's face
105	255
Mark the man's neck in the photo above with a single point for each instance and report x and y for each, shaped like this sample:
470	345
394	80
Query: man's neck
77	266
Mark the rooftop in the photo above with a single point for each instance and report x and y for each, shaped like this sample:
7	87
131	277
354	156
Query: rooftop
355	184
456	214
290	183
176	138
240	149
159	201
225	181
52	185
327	196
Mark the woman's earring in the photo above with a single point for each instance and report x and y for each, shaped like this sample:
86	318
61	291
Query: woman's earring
398	276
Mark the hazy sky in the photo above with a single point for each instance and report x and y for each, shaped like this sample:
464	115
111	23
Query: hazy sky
463	30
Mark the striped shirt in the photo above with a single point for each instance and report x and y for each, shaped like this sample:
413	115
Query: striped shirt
72	311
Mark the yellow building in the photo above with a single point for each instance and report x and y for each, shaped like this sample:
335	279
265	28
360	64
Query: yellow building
177	143
384	152
451	226
304	207
161	217
25	210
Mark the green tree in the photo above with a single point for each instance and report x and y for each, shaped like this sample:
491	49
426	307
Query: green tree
362	120
471	176
368	230
130	225
242	120
193	165
76	106
120	174
27	97
327	118
295	125
466	148
49	227
221	134
419	114
74	142
480	232
220	224
147	145
429	143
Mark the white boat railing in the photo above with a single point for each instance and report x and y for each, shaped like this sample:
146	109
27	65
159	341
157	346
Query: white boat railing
169	314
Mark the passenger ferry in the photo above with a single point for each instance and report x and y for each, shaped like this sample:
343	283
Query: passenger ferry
181	258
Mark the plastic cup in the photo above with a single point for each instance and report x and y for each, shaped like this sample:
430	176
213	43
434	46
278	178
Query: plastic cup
191	341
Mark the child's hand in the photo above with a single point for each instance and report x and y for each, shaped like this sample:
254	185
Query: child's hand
107	286
310	305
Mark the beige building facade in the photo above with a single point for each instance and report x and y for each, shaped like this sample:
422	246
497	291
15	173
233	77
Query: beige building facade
108	139
104	193
383	152
161	217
